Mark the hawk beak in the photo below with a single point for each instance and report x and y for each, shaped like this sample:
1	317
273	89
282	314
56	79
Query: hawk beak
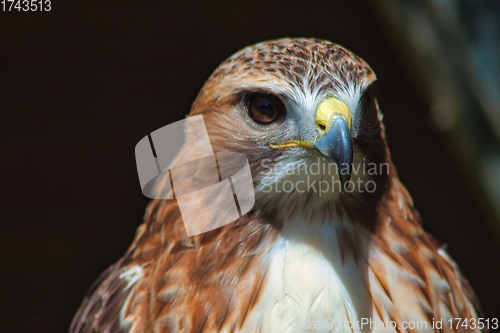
333	121
335	144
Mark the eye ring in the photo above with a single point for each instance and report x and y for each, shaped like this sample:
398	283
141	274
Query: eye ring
265	108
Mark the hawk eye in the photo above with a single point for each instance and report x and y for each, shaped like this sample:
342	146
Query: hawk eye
265	108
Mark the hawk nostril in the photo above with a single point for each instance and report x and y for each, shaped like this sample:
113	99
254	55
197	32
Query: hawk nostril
322	127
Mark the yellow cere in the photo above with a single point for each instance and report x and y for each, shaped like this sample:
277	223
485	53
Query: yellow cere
328	110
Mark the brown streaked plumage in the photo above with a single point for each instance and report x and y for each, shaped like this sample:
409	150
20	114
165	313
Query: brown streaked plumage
295	259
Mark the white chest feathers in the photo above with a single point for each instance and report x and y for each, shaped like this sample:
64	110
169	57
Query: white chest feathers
309	288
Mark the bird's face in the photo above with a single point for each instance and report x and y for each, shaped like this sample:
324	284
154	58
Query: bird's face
302	113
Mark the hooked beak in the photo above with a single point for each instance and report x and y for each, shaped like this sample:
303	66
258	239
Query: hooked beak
336	146
333	121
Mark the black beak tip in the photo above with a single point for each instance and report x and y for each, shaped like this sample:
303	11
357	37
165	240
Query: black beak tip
344	181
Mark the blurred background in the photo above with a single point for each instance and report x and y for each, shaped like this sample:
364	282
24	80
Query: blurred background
82	84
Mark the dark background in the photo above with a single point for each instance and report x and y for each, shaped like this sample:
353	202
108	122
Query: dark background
82	84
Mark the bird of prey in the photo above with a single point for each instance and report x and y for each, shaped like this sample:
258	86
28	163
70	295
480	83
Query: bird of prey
353	258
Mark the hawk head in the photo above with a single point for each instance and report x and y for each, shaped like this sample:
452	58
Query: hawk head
303	112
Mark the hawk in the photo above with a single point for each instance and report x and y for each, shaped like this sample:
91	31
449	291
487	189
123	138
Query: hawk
350	258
